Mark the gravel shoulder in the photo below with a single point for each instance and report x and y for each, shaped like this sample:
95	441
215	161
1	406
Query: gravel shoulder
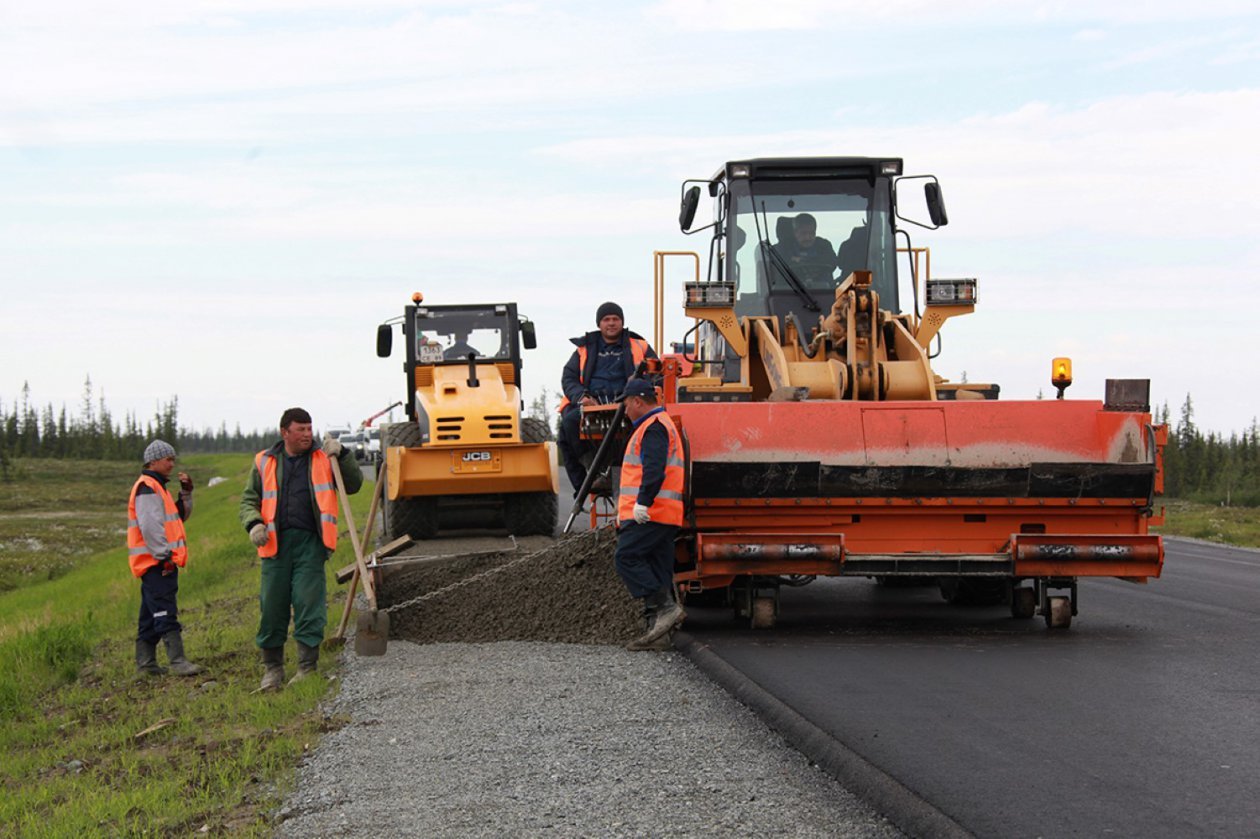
531	738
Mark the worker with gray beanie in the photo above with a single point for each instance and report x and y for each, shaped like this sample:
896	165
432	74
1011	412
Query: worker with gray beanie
597	372
156	549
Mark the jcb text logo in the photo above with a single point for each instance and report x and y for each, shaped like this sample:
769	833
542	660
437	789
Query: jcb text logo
470	457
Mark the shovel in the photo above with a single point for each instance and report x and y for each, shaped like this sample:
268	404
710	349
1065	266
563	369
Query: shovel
371	627
338	640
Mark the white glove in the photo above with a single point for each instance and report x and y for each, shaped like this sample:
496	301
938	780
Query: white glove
332	446
641	514
258	535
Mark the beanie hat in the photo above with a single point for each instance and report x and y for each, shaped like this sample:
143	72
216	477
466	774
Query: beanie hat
157	450
606	309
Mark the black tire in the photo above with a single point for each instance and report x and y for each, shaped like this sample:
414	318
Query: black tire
531	513
413	517
1023	602
534	430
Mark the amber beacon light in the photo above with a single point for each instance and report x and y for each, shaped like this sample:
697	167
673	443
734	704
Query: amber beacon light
1061	374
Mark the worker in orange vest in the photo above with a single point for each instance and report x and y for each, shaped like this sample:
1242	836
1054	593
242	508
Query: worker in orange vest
289	509
597	371
649	513
156	549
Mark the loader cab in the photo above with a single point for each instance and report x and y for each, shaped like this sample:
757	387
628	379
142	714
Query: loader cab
788	231
437	336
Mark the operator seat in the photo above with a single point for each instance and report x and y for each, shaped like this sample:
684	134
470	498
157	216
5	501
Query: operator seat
852	253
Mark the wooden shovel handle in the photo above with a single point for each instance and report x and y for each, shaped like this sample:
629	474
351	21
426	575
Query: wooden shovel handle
365	578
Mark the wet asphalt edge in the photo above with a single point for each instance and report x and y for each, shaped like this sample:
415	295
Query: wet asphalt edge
877	788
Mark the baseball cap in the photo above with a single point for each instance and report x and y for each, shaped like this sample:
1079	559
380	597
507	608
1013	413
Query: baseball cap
637	387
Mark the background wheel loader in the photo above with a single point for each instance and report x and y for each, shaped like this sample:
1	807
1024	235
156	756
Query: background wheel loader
465	457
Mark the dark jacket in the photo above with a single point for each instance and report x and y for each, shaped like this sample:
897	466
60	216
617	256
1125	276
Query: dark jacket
574	379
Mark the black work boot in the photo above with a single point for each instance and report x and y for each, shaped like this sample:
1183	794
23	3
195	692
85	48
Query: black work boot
180	665
649	620
668	615
146	659
308	662
273	675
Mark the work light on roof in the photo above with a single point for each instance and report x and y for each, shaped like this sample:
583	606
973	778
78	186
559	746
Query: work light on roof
740	171
890	167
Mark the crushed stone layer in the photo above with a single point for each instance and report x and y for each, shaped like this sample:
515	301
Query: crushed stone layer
537	739
562	591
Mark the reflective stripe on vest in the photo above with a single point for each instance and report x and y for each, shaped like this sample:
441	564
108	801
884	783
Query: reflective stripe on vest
667	507
321	485
138	554
638	352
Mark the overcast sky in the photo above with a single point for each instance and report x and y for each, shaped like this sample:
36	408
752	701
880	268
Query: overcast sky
221	200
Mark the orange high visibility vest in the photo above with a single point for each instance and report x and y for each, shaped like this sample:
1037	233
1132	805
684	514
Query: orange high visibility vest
137	551
325	499
638	352
667	507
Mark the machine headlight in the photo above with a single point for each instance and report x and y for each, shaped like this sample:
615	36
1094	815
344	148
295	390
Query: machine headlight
951	292
709	295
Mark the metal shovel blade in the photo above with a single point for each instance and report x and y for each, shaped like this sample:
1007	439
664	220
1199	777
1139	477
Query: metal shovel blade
371	633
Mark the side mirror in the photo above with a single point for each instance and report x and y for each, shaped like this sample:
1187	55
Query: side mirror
690	201
528	336
935	203
384	340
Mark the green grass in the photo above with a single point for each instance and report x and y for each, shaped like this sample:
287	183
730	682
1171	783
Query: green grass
56	513
71	705
1227	525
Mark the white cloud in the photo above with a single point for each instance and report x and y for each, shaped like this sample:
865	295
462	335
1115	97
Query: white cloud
754	15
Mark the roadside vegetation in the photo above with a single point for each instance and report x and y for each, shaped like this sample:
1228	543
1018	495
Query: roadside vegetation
90	749
1212	522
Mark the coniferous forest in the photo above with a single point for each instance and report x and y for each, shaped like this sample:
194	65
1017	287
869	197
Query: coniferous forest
1207	467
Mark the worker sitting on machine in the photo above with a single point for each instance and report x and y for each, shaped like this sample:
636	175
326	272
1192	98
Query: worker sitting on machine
597	371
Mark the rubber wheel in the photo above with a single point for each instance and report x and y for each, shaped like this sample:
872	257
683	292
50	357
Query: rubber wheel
413	517
763	613
534	430
1023	603
1058	612
532	513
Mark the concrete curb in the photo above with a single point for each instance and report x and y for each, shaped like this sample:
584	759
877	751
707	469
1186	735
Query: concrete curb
878	789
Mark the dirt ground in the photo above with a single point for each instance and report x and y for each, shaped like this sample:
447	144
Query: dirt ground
562	590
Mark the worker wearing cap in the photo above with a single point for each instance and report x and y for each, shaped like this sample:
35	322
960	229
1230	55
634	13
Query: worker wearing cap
649	513
597	371
157	549
289	509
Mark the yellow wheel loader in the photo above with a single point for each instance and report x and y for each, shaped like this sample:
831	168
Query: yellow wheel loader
465	457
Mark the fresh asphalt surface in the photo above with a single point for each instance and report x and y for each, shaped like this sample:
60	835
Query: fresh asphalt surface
1142	719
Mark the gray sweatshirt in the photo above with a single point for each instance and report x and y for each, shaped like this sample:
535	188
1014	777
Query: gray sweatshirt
151	515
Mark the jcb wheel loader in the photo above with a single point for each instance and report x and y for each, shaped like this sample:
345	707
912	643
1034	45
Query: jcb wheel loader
465	457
